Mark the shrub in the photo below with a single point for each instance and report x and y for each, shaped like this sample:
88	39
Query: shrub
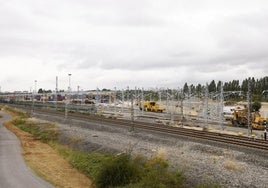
157	174
256	106
118	172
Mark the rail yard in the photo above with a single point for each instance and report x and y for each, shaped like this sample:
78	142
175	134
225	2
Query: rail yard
187	135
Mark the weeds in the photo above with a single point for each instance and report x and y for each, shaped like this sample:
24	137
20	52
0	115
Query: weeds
108	170
208	184
46	133
230	165
16	112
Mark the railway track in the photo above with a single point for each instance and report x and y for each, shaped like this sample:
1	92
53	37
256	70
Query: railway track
241	141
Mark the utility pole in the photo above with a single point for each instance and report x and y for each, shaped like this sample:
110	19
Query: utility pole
167	101
56	97
206	107
188	102
221	107
172	109
132	115
122	109
77	103
69	89
141	104
128	96
68	97
180	103
249	106
159	94
115	100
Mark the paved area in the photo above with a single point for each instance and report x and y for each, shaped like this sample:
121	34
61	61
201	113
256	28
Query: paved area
13	171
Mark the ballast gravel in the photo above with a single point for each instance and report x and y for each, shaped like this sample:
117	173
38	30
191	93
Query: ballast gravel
200	160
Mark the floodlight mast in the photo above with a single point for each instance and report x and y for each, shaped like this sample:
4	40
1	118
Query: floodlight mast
69	88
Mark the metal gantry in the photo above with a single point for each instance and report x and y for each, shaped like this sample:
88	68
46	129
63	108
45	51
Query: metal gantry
176	102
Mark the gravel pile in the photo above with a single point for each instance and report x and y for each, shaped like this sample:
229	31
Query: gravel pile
201	161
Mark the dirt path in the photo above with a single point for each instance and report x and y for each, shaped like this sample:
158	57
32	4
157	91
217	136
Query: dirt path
47	163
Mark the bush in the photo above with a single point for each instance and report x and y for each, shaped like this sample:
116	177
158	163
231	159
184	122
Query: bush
118	172
157	174
256	106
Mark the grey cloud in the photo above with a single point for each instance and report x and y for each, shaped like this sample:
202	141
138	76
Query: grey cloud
143	36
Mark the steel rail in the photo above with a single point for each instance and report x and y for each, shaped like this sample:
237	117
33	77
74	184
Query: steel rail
174	131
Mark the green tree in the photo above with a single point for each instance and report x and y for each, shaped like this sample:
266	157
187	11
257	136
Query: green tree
212	86
185	88
199	90
40	90
218	87
256	106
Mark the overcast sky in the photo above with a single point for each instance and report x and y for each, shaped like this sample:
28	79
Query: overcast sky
120	43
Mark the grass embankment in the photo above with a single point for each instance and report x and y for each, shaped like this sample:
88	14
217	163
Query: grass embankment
107	170
41	157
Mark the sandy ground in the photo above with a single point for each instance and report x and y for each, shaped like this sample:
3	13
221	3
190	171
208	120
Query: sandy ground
47	163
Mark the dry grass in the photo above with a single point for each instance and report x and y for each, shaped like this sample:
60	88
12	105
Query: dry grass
47	163
74	139
232	166
162	153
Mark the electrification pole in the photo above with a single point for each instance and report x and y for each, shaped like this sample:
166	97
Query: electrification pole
141	104
167	101
221	107
33	96
172	109
115	100
56	99
249	106
122	109
128	96
68	97
206	107
132	115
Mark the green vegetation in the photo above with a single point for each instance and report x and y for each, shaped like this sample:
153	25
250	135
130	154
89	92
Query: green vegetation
118	171
124	170
19	113
256	106
46	133
258	86
108	170
208	184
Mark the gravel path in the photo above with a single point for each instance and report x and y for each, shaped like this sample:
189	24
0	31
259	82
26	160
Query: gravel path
226	165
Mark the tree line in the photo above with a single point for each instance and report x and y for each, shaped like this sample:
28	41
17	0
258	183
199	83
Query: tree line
257	86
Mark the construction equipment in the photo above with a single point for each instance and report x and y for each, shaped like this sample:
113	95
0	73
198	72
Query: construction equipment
152	106
258	122
240	118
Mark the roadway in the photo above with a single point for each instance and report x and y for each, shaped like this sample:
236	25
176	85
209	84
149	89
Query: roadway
13	171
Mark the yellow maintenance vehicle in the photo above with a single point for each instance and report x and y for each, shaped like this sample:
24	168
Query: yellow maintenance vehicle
240	118
152	106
